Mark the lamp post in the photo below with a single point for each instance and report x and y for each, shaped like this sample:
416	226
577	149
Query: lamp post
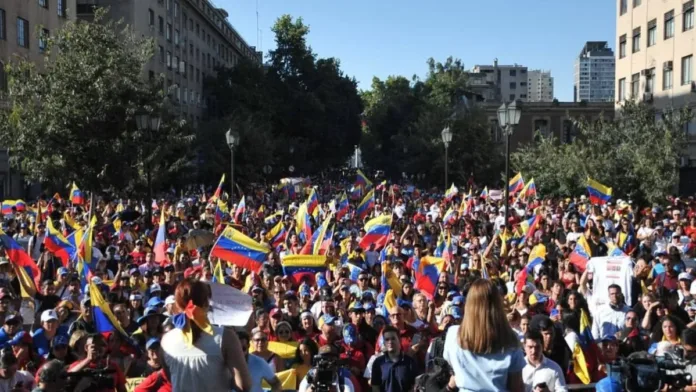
446	140
150	125
508	117
232	142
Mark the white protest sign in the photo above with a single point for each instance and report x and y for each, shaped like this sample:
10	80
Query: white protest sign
229	307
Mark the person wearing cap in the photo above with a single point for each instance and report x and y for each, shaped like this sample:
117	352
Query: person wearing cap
353	351
538	369
356	313
308	326
169	306
328	325
85	322
150	324
49	330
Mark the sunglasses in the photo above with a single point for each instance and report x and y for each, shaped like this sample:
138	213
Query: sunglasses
362	280
260	340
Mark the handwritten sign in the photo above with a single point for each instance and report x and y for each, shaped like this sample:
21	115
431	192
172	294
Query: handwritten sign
131	383
228	306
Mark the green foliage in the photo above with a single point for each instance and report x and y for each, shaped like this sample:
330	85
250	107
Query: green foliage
297	102
72	117
404	123
634	154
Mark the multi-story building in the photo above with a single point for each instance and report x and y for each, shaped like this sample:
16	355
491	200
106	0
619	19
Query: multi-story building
24	27
193	37
655	63
539	86
509	81
594	73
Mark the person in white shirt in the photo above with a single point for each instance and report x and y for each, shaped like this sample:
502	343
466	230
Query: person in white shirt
400	209
609	319
540	373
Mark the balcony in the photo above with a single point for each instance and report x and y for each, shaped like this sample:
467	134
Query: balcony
86	7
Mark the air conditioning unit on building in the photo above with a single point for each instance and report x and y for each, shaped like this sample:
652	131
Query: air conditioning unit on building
683	161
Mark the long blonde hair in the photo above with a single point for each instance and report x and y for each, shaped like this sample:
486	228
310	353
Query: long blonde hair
485	328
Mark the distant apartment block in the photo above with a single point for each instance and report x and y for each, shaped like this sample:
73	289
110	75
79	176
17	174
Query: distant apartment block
594	73
539	86
504	83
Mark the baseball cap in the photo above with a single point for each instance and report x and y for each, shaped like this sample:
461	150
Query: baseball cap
63	271
457	300
685	276
275	312
329	319
155	287
154	302
256	288
306	314
169	300
356	307
152	344
13	317
135	297
60	341
48	315
455	312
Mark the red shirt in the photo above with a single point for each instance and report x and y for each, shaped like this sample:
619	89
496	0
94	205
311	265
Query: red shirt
138	257
119	378
156	382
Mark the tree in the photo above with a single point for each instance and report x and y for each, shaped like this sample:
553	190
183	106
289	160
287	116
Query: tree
404	120
72	118
635	154
300	110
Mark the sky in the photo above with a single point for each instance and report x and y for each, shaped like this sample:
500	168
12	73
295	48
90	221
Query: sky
390	37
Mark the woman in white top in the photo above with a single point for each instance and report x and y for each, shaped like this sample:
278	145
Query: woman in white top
198	356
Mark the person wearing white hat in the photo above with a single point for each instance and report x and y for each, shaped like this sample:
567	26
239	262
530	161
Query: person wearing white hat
43	336
169	305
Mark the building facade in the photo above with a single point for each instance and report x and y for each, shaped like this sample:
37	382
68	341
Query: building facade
594	73
539	86
508	82
24	27
193	37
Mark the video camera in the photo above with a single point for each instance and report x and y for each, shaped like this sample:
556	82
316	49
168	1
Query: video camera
91	380
641	372
325	372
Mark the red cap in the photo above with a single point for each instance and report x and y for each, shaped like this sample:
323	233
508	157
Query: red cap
275	311
192	271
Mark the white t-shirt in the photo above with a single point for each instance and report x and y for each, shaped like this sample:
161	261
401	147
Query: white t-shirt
547	372
259	370
400	210
347	385
368	370
611	270
7	385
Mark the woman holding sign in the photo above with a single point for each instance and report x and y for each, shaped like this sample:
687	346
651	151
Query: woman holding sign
197	355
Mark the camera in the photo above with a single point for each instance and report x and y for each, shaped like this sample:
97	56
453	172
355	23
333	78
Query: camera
91	380
324	373
641	372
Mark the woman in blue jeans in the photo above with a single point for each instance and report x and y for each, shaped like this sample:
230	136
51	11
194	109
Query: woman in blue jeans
484	351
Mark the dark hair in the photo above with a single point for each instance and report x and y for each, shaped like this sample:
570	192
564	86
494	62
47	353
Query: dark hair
535	336
243	335
614	286
311	344
688	336
571	320
391	328
7	358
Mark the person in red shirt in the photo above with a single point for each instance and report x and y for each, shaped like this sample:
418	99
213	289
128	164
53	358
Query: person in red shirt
95	348
328	331
139	253
156	382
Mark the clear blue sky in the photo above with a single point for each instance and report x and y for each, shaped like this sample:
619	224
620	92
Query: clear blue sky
390	37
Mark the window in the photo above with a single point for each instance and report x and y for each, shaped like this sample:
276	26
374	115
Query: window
198	29
3	35
161	54
43	39
169	32
636	40
622	46
636	3
669	24
635	84
176	9
185	95
191	49
688	16
176	37
513	72
650	81
43	3
151	75
60	7
161	25
512	97
652	32
22	33
169	59
182	68
191	70
686	70
623	6
3	78
667	77
198	75
169	5
622	90
513	85
151	17
176	63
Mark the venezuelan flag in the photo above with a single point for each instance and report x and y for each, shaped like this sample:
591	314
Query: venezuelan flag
104	320
581	254
377	232
239	212
303	225
86	246
529	227
218	191
218	274
529	190
160	246
353	271
76	195
324	234
451	193
287	378
516	183
361	180
450	216
274	217
536	257
276	236
613	250
343	207
427	272
312	201
355	192
303	267
484	193
367	204
599	194
20	258
7	206
444	247
235	247
586	352
57	244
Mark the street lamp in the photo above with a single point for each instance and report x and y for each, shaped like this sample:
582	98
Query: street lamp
149	125
232	142
508	117
446	140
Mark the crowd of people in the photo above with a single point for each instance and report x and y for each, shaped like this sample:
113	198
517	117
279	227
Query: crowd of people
449	296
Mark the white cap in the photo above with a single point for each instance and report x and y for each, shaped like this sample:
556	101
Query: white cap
48	315
169	300
96	280
155	287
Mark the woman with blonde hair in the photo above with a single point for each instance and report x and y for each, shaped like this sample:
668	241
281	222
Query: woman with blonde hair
484	351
